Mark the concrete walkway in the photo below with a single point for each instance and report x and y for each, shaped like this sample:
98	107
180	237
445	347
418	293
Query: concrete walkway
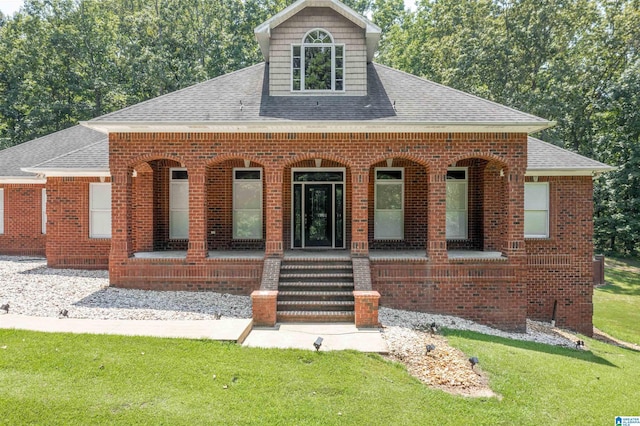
297	336
301	336
234	330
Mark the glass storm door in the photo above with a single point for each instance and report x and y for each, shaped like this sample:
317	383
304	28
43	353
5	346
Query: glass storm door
318	210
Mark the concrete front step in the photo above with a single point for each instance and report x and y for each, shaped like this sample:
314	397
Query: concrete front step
315	305
315	286
316	266
307	294
306	275
316	316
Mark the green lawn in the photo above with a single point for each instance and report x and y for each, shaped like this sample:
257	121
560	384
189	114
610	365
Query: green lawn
82	379
616	306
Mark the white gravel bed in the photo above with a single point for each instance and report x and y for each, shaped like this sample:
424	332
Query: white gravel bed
30	288
395	318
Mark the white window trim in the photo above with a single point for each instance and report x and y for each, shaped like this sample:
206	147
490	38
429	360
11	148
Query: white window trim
375	198
172	208
92	209
233	198
1	210
44	211
547	210
333	46
466	193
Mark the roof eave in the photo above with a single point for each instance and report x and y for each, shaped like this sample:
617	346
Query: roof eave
590	171
315	126
23	180
68	172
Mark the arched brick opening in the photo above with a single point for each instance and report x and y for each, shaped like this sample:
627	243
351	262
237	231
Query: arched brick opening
220	205
314	163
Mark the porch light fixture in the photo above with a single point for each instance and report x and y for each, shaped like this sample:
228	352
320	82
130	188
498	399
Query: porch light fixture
247	163
318	343
318	162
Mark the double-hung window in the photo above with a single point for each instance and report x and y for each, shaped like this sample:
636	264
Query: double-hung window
536	210
389	204
247	204
100	210
178	204
44	210
317	64
457	203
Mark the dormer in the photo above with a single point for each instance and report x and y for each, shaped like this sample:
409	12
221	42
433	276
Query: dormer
318	48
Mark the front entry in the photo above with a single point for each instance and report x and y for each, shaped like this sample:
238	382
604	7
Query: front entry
318	208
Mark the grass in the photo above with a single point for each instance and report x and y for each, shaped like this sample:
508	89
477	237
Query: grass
616	306
84	379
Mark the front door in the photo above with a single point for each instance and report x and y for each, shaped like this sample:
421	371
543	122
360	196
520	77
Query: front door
318	209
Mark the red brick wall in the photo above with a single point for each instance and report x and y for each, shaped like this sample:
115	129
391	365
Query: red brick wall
490	292
22	220
68	242
561	267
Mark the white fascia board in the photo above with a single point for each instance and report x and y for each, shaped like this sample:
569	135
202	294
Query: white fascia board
316	127
568	172
22	180
68	172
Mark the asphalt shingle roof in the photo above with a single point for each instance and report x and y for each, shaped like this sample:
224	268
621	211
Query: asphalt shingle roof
93	156
545	156
242	96
45	148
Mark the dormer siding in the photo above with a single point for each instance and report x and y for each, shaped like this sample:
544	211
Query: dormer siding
293	30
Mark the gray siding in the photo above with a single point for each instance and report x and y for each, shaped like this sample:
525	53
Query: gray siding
343	32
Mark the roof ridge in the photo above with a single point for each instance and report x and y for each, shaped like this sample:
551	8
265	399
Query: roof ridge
184	89
537	119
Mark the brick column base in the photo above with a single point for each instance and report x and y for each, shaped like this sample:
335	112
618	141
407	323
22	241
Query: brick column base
264	305
366	308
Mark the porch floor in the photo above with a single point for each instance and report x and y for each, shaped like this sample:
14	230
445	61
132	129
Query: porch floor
333	254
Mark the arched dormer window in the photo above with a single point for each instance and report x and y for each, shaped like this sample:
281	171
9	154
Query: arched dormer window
317	64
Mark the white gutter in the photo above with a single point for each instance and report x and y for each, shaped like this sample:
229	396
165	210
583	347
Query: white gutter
315	126
569	172
23	180
60	172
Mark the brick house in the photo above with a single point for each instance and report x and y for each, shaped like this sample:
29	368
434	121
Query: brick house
321	183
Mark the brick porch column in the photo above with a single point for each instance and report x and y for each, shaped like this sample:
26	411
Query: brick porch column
360	211
197	248
273	224
121	216
437	215
514	241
